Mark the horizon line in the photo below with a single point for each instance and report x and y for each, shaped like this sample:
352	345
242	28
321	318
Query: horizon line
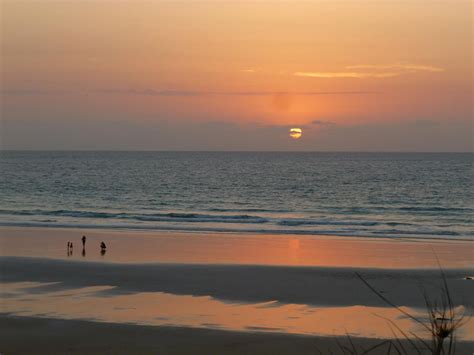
227	151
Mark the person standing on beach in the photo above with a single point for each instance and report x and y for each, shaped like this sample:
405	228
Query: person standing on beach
103	248
83	242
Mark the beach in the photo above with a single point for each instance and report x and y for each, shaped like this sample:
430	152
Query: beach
236	177
262	293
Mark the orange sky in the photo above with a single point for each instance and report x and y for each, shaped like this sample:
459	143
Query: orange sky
249	64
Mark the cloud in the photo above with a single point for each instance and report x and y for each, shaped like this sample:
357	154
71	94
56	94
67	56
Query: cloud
308	126
357	75
363	71
176	93
149	92
411	68
153	92
323	123
48	129
418	135
25	92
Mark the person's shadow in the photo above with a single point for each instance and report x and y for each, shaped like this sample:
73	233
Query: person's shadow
84	253
102	252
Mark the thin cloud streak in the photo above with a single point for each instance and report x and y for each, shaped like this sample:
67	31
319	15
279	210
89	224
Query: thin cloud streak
25	92
177	93
406	67
323	123
356	75
152	92
363	71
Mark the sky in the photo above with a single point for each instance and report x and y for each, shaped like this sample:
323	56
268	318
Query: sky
354	75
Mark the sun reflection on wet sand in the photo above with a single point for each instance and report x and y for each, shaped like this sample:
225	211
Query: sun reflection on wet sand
163	309
148	247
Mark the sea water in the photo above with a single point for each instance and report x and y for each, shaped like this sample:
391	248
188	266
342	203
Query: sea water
416	195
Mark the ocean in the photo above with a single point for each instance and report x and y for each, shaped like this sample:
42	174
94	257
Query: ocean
395	195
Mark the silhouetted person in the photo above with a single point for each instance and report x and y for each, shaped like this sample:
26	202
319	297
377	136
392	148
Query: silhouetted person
83	241
103	248
68	248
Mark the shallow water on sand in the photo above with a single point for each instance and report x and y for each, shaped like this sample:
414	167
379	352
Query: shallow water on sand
164	309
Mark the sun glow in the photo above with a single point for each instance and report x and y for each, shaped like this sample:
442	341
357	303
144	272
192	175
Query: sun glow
296	133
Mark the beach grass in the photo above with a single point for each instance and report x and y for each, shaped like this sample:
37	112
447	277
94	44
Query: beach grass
442	323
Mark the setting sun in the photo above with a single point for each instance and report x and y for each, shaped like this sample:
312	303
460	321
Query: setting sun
296	133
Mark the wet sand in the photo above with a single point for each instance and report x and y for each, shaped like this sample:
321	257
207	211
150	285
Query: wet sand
125	246
319	286
53	336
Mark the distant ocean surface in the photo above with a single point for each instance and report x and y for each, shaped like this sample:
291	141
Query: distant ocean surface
347	194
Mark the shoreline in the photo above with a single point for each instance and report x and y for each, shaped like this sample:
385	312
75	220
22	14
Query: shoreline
219	231
131	246
147	231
